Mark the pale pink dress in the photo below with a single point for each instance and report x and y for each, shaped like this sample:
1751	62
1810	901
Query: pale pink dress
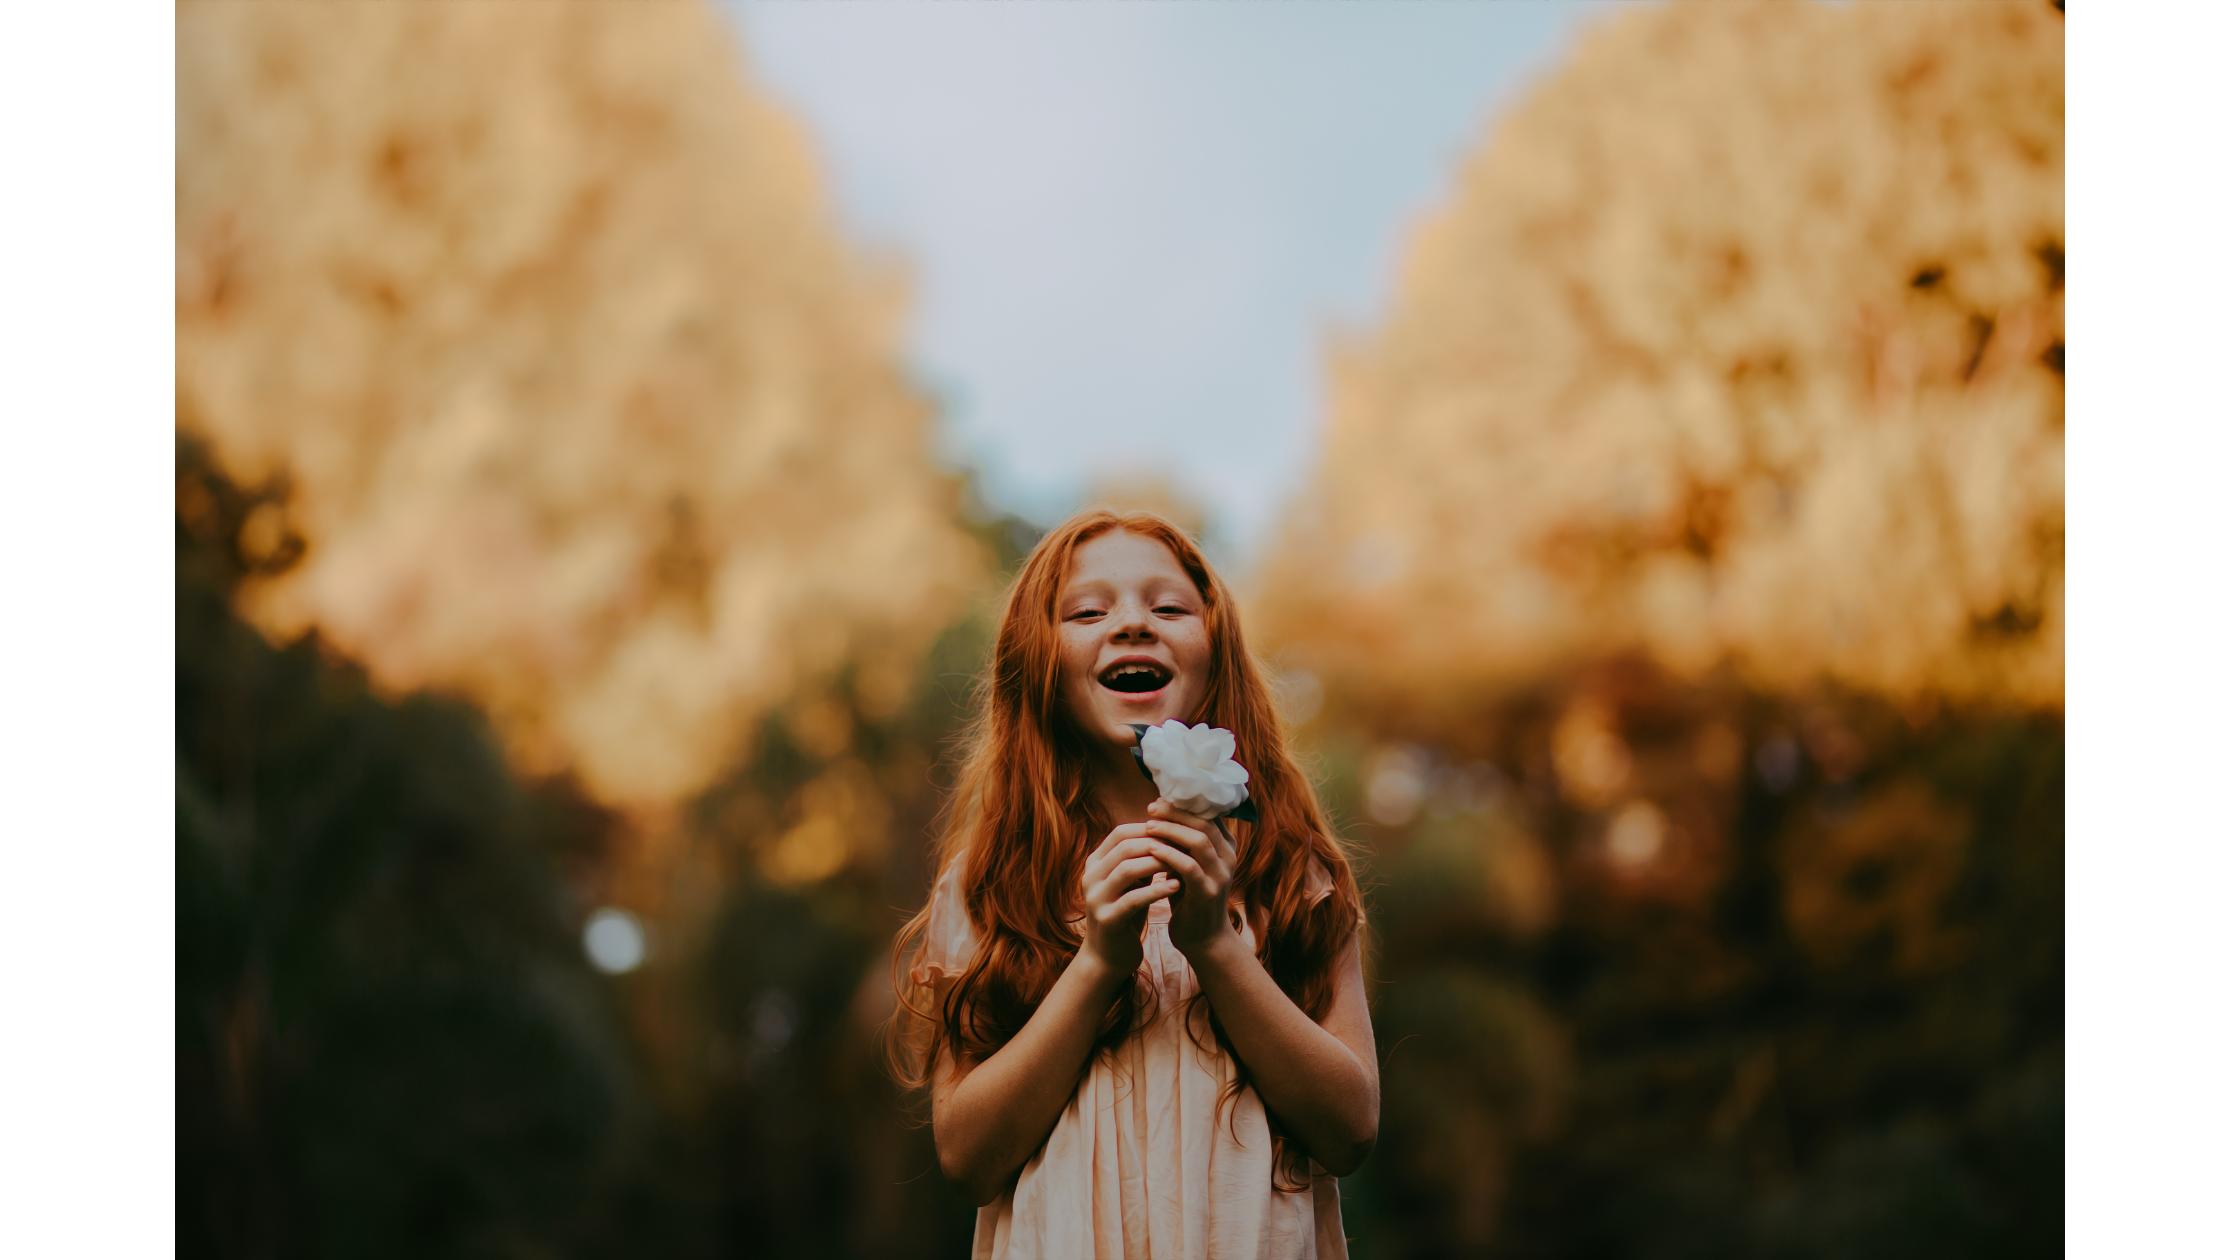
1149	1172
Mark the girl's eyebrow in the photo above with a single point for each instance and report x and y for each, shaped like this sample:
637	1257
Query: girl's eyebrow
1099	584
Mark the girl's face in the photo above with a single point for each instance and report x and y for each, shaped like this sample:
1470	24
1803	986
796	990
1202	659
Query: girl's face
1126	597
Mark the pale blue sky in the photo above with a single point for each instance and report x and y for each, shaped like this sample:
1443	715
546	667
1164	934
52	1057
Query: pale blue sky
1133	224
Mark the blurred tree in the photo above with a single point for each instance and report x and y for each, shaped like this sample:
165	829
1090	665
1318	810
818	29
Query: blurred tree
389	1042
1675	957
1147	491
1795	987
595	417
1739	339
1684	597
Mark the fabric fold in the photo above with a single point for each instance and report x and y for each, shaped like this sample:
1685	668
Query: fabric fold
949	936
1145	1162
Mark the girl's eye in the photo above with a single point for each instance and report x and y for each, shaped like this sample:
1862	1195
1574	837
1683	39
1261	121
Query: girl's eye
1098	612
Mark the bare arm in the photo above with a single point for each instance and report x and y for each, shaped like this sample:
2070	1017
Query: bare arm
990	1116
1320	1079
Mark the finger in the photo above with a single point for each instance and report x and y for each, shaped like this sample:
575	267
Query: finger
1127	875
1227	842
1173	856
1111	838
1124	871
1110	850
1171	812
1135	846
1176	833
1190	839
1187	867
1162	887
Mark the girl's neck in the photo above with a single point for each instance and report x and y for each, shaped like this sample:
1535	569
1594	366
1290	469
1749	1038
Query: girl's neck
1121	791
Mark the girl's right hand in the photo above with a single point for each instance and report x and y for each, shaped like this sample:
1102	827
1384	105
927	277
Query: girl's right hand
1118	885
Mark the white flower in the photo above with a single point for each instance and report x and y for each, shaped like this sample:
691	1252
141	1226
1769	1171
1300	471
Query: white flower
1192	767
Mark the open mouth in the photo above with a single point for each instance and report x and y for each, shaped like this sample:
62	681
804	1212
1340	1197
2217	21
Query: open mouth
1135	681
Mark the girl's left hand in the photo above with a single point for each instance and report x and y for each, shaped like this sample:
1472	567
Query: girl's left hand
1204	858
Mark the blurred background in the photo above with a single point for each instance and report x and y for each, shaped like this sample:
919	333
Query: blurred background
604	432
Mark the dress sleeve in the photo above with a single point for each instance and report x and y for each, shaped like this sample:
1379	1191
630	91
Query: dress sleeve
949	939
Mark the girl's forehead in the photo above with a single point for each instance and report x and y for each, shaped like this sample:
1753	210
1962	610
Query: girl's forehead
1122	559
1123	577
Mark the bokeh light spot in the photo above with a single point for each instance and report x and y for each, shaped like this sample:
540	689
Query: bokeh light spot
1397	784
614	940
1636	834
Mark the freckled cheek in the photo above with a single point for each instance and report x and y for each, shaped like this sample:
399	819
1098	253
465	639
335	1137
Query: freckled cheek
1199	670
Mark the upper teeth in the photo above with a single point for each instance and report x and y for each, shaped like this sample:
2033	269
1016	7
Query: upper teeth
1125	670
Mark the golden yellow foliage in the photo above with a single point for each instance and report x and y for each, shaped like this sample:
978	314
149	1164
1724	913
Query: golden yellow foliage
591	413
1138	491
1738	342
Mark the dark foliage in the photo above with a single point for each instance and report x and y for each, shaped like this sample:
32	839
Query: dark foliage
388	1042
1824	1019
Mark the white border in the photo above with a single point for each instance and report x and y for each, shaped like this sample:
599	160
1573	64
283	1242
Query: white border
86	101
86	938
2153	816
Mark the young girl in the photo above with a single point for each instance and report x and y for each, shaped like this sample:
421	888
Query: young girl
1145	1031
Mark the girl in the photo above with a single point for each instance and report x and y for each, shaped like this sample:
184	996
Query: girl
1145	1031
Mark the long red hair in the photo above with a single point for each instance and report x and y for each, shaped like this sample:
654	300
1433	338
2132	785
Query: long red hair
1022	818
